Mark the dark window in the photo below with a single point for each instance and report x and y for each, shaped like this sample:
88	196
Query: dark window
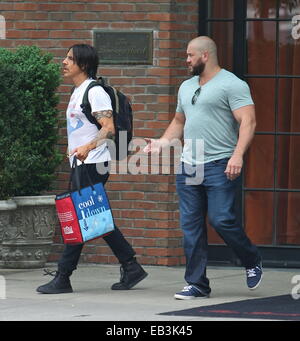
259	41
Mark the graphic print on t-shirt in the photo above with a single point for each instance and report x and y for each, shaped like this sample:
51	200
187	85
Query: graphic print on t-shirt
74	122
73	116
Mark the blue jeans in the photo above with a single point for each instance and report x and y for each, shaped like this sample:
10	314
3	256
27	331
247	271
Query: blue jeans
213	198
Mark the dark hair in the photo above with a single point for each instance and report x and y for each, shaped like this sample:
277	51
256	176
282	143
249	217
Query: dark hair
86	57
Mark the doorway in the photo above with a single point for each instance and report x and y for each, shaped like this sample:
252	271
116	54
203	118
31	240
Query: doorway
259	41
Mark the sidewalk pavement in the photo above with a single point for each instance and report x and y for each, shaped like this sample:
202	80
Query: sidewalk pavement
93	300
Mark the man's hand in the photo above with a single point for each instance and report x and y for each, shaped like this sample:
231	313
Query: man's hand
81	152
154	146
234	167
173	132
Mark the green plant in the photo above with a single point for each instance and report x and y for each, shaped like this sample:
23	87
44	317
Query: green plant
28	121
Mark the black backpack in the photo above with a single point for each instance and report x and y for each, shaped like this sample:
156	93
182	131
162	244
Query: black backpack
122	115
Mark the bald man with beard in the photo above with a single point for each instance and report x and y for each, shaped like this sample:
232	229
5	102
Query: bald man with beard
215	110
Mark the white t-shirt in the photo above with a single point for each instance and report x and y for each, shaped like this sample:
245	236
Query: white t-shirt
80	130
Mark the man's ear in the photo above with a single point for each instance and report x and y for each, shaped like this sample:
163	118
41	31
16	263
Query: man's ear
205	56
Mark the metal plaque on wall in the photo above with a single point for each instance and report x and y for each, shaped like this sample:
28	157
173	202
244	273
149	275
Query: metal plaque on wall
124	47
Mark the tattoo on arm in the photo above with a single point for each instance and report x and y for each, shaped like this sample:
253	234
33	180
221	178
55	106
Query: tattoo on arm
104	133
102	136
103	113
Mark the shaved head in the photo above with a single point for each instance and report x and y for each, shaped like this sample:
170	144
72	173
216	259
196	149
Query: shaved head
205	44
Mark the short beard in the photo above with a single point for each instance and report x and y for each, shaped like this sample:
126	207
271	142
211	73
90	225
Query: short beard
198	69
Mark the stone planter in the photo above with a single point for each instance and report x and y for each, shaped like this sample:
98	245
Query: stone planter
7	208
27	243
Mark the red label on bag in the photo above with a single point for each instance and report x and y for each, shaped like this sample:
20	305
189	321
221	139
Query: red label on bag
68	220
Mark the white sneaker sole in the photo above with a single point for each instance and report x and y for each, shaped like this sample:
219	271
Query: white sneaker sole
182	297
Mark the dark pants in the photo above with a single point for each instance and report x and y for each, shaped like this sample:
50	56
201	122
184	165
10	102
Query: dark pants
115	240
215	198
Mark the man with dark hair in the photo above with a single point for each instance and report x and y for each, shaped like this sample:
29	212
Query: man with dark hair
86	59
88	144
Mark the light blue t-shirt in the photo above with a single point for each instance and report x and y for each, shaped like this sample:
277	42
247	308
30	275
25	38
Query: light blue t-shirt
210	122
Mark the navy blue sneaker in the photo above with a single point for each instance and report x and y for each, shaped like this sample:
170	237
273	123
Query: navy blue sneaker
190	292
254	277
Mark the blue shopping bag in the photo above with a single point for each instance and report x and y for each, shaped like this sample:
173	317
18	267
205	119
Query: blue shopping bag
84	213
93	211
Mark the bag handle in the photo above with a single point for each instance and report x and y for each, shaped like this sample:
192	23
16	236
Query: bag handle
75	172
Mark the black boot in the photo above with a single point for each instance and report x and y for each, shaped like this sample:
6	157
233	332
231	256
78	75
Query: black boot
60	284
131	274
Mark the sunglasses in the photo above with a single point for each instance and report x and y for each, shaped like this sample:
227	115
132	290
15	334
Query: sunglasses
196	95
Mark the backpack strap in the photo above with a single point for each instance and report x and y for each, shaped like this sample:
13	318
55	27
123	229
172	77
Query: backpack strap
85	99
117	109
86	106
112	93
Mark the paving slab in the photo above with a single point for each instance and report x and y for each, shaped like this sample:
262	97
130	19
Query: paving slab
93	300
